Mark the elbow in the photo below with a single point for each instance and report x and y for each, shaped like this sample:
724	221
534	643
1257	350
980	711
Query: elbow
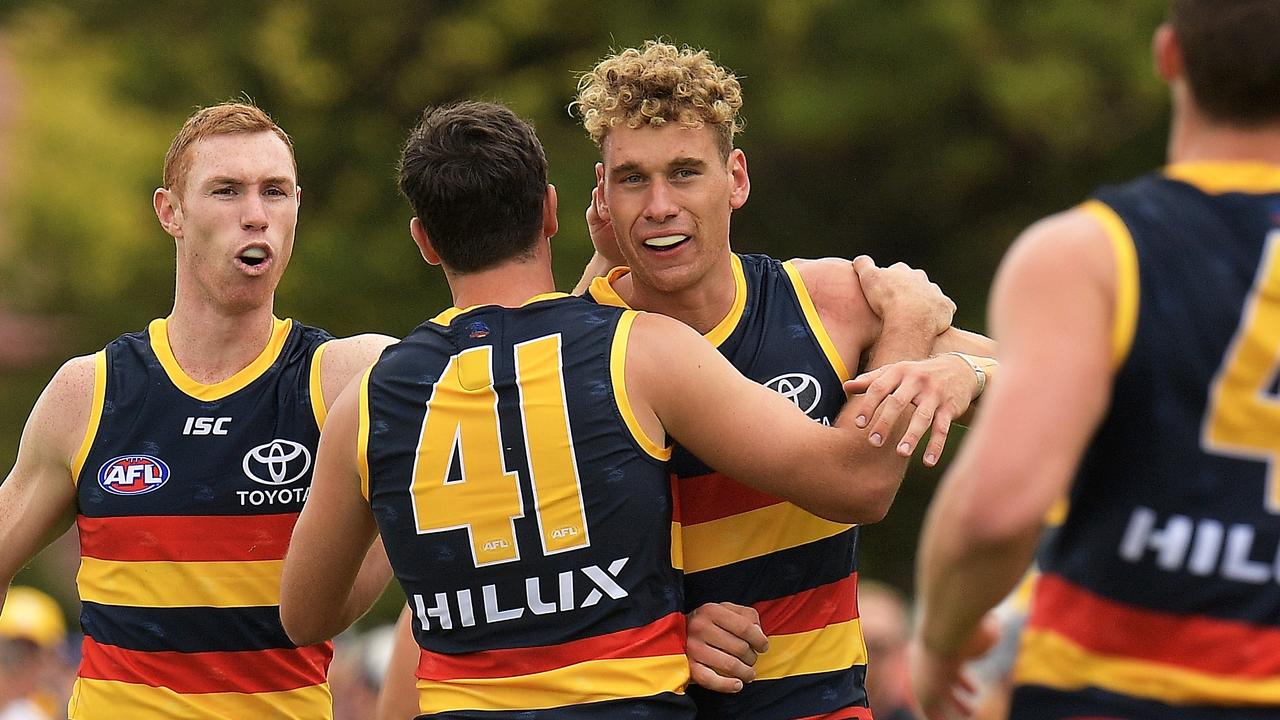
860	509
303	625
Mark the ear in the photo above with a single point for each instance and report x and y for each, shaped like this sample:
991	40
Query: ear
423	241
168	211
297	195
1167	52
738	176
602	206
550	223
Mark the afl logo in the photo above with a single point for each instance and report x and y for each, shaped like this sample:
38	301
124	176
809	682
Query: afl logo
278	462
133	474
801	389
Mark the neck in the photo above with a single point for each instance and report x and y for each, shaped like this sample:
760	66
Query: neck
701	306
510	284
1194	137
211	344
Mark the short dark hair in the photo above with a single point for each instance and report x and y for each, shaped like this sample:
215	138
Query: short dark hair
476	177
1232	57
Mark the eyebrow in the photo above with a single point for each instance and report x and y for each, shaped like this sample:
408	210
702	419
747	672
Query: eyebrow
228	180
682	161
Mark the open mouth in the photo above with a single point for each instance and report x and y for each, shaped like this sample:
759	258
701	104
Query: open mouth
666	242
253	257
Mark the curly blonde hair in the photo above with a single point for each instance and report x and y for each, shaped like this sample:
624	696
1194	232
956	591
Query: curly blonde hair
659	83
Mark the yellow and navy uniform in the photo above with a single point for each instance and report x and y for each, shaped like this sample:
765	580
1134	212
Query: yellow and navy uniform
526	515
740	545
1160	593
186	496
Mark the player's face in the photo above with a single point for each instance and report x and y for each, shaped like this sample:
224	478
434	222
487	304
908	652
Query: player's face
236	218
669	194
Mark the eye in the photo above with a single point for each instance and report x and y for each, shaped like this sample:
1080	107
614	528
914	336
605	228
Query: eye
276	192
225	190
685	174
632	179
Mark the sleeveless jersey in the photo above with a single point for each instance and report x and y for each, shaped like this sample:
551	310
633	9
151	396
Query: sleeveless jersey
526	516
186	499
1160	593
740	545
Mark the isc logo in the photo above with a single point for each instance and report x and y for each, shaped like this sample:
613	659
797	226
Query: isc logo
133	474
206	426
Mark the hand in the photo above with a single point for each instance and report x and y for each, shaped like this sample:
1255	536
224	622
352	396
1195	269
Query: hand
942	689
902	295
723	643
941	389
601	230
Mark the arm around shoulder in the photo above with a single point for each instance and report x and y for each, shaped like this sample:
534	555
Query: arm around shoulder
679	383
345	358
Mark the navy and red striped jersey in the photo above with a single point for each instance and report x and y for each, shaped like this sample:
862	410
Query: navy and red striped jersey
740	545
1160	596
186	499
526	516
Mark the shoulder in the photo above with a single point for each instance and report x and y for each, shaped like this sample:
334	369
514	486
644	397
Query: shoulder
833	286
61	417
345	358
1072	247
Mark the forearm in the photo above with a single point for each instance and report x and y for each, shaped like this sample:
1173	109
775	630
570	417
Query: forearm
956	340
371	581
899	341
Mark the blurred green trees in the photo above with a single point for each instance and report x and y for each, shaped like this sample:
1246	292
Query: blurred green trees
929	131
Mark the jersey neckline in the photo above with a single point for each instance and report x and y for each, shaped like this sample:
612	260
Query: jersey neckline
448	315
158	332
1217	178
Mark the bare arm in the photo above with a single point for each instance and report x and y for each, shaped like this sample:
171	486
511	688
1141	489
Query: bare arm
1051	309
679	382
398	698
319	596
37	499
345	359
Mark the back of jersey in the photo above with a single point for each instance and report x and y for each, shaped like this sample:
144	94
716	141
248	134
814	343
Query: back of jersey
1161	591
526	516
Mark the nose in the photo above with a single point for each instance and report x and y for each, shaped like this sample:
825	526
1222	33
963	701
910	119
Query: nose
661	204
253	213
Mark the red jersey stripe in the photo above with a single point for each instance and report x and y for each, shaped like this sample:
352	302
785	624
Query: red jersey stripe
1202	644
824	605
853	713
250	671
704	498
664	636
187	538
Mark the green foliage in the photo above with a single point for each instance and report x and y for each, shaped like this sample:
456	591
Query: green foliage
929	131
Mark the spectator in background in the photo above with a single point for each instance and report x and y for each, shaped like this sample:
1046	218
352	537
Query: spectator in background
884	614
35	677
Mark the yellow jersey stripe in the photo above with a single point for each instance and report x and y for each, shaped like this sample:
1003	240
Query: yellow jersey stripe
617	371
317	387
1051	660
180	584
111	700
362	434
447	315
835	647
587	682
725	327
95	415
751	534
159	334
1216	178
1125	320
815	323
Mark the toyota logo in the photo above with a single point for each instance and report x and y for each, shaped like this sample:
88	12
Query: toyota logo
278	462
801	389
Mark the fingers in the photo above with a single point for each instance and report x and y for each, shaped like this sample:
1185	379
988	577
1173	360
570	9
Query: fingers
864	264
711	680
921	419
724	641
938	436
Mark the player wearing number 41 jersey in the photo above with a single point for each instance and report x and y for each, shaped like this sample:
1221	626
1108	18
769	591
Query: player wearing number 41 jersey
1160	593
511	455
